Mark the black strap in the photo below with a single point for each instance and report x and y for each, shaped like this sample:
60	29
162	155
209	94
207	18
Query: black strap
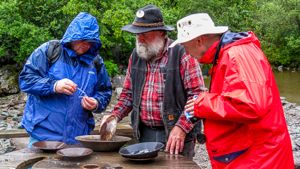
54	51
220	45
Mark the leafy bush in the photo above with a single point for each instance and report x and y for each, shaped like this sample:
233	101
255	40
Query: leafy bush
111	68
24	25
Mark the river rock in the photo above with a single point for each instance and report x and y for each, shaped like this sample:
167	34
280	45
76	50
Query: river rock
6	146
8	80
280	68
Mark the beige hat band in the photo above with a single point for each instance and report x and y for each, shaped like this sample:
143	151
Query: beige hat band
148	24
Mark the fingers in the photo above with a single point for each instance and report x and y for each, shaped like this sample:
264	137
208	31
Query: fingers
70	83
177	146
189	107
89	103
90	100
171	157
65	86
102	128
111	118
190	101
170	145
108	127
174	145
175	142
69	90
85	104
181	146
191	113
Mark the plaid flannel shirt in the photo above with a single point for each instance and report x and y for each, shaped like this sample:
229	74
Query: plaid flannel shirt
153	91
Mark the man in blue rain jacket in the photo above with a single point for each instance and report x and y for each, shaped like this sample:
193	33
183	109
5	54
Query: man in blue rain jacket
62	95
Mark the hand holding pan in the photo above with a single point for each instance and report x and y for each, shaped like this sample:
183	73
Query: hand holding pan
108	127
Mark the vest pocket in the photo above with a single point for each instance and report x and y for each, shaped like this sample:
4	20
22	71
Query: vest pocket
172	118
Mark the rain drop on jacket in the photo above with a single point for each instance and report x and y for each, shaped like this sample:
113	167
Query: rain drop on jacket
60	117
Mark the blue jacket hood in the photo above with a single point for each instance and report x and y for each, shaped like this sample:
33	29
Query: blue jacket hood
230	37
83	27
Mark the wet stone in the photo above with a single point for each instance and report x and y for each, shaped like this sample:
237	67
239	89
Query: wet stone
14	113
6	146
4	114
2	117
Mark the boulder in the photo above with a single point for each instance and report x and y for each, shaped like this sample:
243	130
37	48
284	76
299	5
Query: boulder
9	80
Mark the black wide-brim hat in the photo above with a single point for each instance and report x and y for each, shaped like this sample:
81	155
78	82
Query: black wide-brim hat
148	18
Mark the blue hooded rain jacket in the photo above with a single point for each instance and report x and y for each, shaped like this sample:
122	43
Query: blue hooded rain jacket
52	116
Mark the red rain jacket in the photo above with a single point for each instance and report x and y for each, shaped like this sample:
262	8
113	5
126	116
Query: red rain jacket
243	116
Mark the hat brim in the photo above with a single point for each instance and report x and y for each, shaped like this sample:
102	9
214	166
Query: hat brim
138	29
215	30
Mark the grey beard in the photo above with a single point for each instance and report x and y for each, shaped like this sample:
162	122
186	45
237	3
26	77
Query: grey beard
150	51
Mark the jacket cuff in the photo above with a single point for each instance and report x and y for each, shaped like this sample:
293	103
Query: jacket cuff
197	109
54	83
185	124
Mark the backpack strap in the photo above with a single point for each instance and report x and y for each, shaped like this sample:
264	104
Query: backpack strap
97	62
54	51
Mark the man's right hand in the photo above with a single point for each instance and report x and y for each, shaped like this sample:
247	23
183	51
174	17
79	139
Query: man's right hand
108	126
65	86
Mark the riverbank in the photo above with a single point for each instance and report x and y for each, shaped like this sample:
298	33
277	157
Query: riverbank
12	107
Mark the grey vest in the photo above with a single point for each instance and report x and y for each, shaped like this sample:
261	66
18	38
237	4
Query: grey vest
175	96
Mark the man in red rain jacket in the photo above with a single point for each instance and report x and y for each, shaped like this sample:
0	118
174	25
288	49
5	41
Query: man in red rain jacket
243	117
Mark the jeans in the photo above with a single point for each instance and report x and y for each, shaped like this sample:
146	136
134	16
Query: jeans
149	134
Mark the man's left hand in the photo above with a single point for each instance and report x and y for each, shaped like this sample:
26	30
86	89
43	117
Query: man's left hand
89	103
175	142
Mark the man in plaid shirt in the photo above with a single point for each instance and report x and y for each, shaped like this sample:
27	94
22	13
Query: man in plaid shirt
158	82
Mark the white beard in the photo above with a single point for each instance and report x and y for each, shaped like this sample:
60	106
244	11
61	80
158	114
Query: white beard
149	51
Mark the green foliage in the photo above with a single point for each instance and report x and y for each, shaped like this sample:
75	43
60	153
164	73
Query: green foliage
115	42
111	68
18	36
24	25
278	25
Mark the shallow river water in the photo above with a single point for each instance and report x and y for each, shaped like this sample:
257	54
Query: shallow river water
288	84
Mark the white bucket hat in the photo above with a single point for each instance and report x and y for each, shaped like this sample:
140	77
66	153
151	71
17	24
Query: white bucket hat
195	25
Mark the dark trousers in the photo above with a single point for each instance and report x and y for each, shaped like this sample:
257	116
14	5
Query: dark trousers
157	134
